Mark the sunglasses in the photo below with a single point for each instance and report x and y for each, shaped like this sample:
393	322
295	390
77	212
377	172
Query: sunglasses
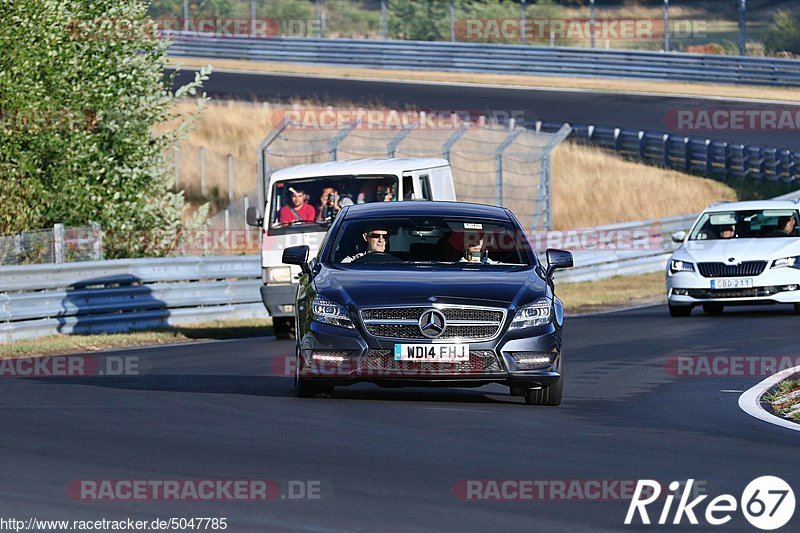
378	235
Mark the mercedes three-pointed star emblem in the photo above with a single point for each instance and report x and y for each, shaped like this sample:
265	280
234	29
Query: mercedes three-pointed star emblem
432	323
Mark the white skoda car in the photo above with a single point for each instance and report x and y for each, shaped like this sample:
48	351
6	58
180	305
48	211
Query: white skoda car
740	253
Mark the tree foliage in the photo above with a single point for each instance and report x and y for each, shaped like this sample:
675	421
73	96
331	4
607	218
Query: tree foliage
81	90
784	34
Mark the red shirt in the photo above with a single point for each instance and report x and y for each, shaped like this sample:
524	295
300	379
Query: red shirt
306	212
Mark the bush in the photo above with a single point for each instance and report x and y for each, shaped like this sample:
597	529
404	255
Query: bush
82	87
784	35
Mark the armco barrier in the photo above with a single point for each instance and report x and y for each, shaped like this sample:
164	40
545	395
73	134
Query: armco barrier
128	294
700	155
496	58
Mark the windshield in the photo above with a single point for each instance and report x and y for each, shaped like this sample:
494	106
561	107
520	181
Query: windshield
752	224
315	201
430	239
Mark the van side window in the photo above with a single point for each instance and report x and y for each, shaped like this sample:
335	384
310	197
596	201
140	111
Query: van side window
425	181
408	187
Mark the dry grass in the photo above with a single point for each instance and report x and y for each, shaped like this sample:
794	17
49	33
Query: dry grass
621	291
71	344
659	87
590	187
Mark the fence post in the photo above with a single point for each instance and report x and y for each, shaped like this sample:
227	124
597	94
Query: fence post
742	27
687	154
709	159
230	178
384	21
227	225
666	25
186	15
318	8
591	21
641	145
498	154
452	20
617	132
97	241
202	172
176	154
666	140
58	242
523	37
252	18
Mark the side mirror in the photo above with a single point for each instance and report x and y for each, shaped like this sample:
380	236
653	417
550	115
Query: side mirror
253	217
678	236
297	255
557	259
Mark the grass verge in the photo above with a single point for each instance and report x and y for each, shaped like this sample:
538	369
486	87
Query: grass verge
70	344
554	82
621	291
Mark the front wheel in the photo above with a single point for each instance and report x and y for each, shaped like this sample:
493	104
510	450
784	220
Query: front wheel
283	327
797	309
308	389
549	395
680	310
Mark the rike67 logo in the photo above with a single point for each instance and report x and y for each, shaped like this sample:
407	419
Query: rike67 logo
767	503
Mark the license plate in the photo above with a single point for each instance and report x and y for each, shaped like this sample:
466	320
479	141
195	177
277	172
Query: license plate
732	283
441	353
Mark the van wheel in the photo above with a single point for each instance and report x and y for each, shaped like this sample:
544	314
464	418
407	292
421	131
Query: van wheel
713	309
283	327
680	310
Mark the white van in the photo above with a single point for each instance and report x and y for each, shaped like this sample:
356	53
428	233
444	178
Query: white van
301	202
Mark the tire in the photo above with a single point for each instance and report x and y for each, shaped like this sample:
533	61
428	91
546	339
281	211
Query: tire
713	309
283	327
308	389
797	309
680	310
550	395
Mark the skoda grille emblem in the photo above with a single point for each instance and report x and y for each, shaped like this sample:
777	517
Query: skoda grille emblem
731	259
432	323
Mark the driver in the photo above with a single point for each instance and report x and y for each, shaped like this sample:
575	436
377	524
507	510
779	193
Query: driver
296	209
474	250
376	237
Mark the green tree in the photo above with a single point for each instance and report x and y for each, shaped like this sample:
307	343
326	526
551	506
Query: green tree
82	91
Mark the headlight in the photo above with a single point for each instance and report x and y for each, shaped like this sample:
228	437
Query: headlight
680	266
282	274
324	310
532	315
793	262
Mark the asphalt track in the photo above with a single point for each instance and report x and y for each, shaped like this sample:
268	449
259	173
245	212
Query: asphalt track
388	459
585	107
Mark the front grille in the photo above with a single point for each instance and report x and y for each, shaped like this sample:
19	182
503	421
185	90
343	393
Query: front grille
468	323
732	293
721	270
382	362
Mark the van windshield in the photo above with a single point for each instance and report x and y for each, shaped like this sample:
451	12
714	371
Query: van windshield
311	202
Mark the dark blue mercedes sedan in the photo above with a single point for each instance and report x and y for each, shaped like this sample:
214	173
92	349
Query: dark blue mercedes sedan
429	293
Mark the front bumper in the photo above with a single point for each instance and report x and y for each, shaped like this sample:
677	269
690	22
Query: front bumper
773	286
366	359
279	298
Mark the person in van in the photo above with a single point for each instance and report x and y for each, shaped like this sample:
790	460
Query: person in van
297	209
328	206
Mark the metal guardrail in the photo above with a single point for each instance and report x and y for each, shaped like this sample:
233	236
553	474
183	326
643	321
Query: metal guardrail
699	155
497	59
127	294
